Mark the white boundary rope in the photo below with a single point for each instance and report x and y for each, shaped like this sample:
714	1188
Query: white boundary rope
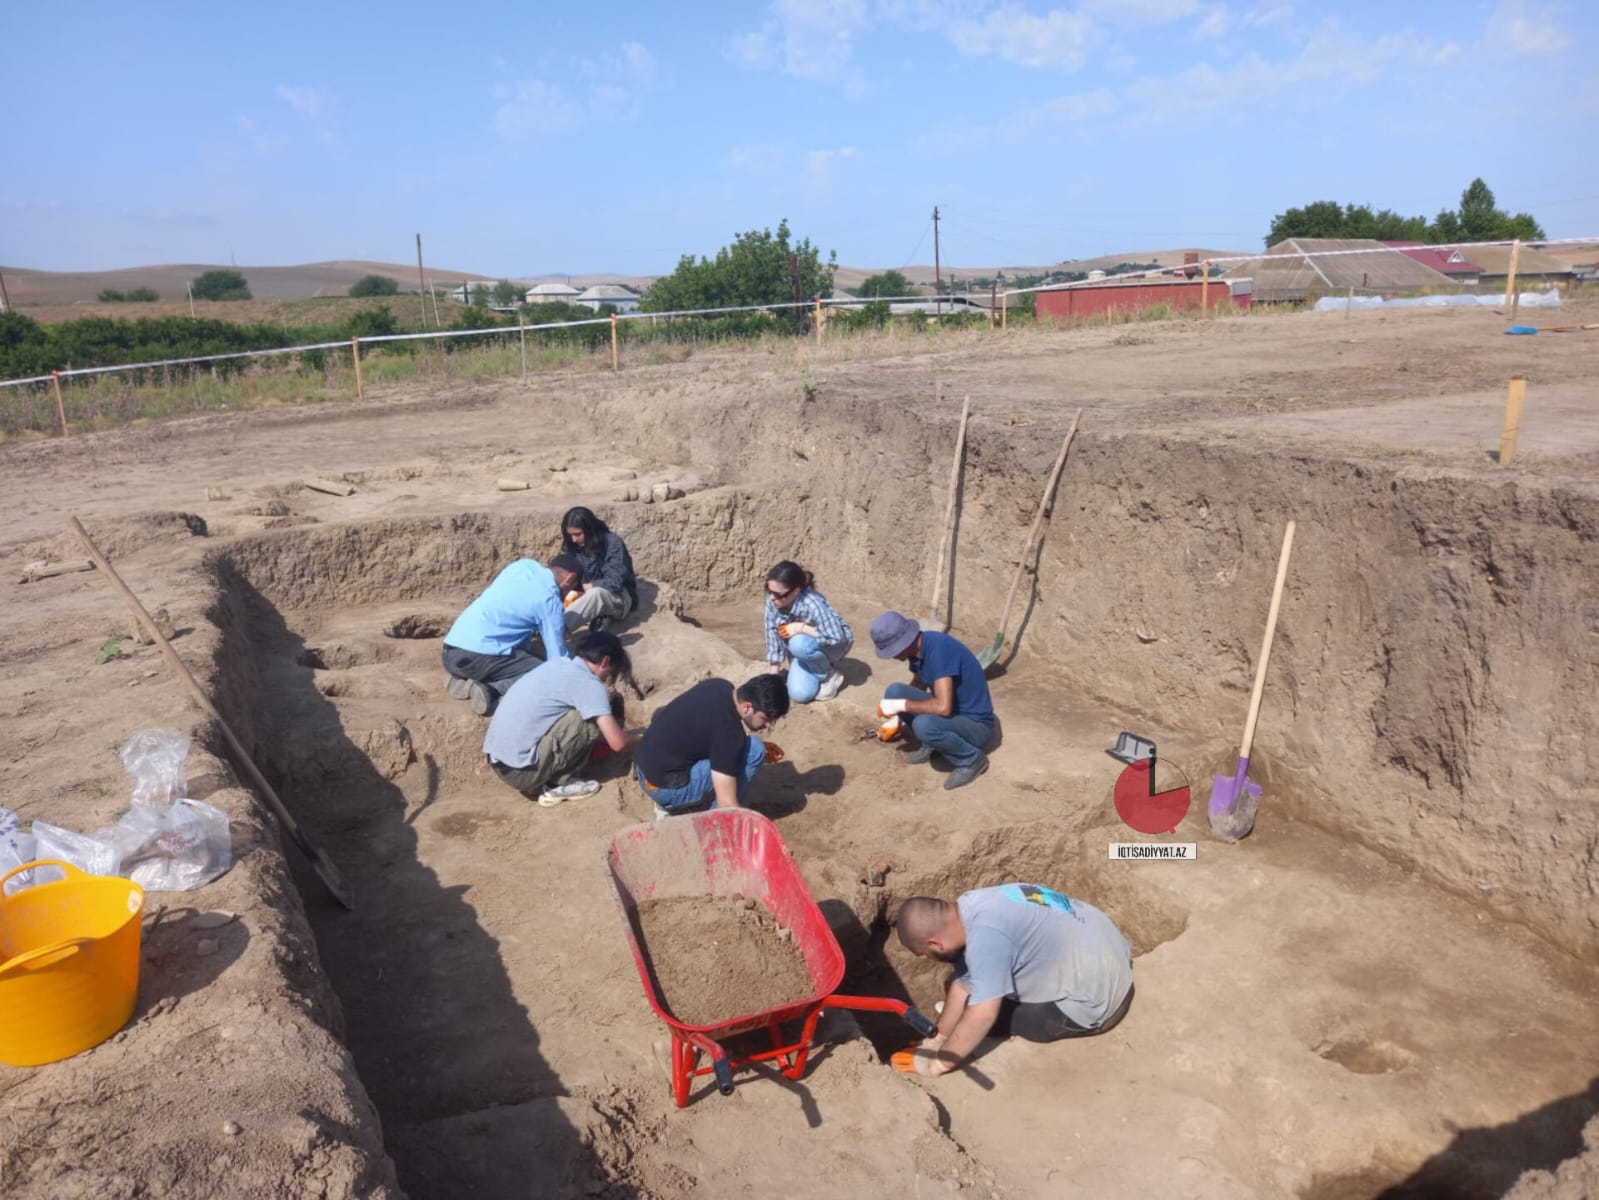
832	302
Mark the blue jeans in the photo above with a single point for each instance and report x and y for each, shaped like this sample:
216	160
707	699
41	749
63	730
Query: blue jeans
811	664
959	739
698	790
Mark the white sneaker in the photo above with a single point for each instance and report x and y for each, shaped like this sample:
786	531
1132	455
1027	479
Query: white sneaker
572	789
830	686
660	813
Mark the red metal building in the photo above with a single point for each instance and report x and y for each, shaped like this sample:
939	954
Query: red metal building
1084	300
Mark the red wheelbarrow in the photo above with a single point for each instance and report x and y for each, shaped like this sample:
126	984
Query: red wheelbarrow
734	852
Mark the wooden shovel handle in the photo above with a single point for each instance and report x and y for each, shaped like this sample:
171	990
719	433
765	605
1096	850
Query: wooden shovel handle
949	511
1038	521
1265	644
320	861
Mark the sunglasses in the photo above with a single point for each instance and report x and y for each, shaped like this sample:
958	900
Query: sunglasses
781	593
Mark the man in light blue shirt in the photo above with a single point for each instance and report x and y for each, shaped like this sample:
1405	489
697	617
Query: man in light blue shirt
1029	962
489	646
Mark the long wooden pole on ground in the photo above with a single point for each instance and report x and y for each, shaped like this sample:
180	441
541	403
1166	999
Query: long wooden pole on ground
355	353
949	508
323	865
1507	435
61	408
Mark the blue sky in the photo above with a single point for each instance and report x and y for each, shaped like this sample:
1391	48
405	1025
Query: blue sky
529	139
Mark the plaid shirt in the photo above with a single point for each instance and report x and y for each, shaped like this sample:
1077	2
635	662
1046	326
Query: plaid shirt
811	608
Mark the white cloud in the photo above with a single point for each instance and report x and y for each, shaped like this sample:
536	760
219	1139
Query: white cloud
1331	59
1079	113
1525	28
613	87
304	99
1215	23
1138	12
1268	13
813	38
532	108
1058	39
246	125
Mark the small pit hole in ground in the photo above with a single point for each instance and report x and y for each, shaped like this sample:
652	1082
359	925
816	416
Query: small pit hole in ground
341	656
420	626
1361	1056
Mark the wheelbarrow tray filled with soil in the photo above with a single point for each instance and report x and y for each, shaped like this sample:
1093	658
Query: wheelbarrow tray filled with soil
727	940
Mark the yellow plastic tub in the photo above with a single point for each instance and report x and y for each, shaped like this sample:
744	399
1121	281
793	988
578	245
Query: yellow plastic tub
69	964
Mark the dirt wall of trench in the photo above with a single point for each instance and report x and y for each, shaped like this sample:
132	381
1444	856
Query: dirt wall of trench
1434	674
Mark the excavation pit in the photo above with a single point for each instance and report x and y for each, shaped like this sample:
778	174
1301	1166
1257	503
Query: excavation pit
1419	880
486	946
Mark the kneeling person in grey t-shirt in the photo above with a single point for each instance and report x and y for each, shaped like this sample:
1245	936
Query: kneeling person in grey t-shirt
1030	962
547	723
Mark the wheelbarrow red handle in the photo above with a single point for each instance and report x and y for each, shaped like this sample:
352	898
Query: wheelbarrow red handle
719	1061
899	1008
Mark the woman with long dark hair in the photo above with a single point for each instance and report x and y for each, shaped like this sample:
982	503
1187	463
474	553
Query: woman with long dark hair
805	633
610	590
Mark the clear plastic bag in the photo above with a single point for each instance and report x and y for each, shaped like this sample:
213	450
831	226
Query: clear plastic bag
173	847
92	853
166	842
155	760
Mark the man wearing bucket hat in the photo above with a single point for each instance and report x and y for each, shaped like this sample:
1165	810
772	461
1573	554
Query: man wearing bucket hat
946	700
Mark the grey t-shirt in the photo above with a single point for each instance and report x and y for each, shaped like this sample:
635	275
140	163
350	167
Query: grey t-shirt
1036	945
535	702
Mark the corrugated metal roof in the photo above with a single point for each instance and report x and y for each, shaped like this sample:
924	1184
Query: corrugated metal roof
1302	267
1495	260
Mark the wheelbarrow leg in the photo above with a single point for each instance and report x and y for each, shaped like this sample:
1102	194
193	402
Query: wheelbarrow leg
803	1051
684	1057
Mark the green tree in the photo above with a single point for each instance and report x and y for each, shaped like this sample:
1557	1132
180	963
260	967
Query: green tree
1480	219
885	283
375	285
221	284
505	292
111	296
143	295
752	271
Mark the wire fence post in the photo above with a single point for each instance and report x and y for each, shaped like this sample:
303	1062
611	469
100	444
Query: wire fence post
1204	289
1507	435
1512	298
355	353
61	408
521	332
615	366
1004	308
818	319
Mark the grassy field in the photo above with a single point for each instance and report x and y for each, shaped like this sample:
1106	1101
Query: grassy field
329	310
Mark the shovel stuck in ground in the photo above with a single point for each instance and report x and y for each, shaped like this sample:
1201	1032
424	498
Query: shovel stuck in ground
1233	798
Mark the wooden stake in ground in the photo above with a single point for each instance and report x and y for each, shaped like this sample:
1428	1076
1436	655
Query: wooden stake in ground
1204	289
1507	435
1349	303
1512	299
61	409
615	366
1004	308
421	282
319	861
355	352
944	547
818	320
521	333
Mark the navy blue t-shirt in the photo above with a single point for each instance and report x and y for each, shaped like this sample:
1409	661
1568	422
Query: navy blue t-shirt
943	656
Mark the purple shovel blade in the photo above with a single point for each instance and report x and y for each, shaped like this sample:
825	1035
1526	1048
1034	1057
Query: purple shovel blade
1227	790
1233	801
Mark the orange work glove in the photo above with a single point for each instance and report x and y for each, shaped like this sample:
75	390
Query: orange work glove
921	1059
570	599
888	731
774	752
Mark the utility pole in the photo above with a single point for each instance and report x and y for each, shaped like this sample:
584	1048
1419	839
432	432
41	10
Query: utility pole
938	277
421	280
5	300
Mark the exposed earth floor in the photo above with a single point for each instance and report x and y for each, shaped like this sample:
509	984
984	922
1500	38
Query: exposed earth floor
1380	992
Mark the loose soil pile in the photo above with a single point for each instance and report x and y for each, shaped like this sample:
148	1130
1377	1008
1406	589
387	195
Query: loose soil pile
715	959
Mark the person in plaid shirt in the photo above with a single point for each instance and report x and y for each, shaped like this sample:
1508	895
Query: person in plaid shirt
804	634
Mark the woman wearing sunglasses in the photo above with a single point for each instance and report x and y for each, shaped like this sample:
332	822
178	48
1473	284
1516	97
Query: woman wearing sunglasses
804	632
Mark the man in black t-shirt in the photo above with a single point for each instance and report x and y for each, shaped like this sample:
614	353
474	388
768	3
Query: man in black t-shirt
699	748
